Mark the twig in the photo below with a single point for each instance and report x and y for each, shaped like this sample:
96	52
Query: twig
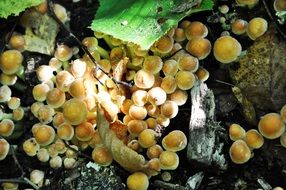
77	151
97	66
9	35
170	186
23	180
16	161
273	19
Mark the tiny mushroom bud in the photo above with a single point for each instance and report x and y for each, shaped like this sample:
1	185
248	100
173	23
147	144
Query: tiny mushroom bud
17	41
60	12
256	27
63	52
179	35
249	3
56	162
283	113
138	181
153	166
175	141
69	163
254	139
18	113
239	26
5	93
226	49
9	186
239	152
4	149
188	63
202	74
8	80
31	147
37	177
102	156
169	160
271	126
43	155
236	132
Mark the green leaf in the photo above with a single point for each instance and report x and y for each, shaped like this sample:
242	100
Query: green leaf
14	7
143	21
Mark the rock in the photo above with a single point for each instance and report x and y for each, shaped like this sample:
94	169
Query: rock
204	144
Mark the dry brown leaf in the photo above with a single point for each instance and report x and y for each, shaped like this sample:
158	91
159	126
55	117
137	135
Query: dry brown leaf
261	73
125	156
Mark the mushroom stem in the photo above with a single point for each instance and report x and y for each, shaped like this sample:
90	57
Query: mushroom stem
6	116
103	53
21	73
108	41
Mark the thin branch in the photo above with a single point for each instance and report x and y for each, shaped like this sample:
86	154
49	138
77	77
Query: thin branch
97	66
16	161
170	186
78	152
22	180
9	35
273	19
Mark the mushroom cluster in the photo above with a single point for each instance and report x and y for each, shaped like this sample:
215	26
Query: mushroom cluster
270	126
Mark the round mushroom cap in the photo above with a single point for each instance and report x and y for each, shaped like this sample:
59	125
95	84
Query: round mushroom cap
175	141
102	156
169	160
239	152
256	27
254	139
239	26
271	126
84	131
185	80
226	49
6	127
283	113
74	111
199	47
4	149
236	132
44	134
147	138
157	96
65	131
138	181
144	79
152	64
196	29
31	147
279	5
10	61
